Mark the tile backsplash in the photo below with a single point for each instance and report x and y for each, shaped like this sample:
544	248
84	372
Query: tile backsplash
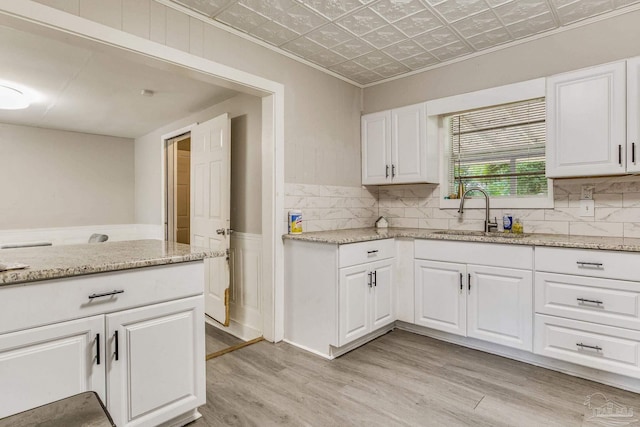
617	208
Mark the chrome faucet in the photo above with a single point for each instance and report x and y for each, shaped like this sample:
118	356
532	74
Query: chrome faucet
488	225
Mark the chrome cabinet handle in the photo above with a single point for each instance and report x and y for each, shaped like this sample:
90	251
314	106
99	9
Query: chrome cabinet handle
585	264
386	174
106	294
375	251
633	152
375	278
593	347
370	282
592	301
393	171
97	349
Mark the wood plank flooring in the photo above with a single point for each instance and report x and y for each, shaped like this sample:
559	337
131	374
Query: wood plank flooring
216	340
399	379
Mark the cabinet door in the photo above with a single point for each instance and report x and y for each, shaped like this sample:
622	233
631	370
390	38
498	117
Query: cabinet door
382	299
409	144
376	148
49	363
500	306
440	296
353	306
633	115
586	131
156	362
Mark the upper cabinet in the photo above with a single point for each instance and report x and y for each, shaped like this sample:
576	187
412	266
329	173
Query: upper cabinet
394	147
586	121
633	114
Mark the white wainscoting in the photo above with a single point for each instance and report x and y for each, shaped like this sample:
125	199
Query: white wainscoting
74	235
246	285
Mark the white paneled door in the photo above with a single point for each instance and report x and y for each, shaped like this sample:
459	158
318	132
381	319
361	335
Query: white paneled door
210	208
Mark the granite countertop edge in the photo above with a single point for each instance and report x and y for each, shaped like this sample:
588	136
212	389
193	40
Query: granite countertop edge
356	235
57	262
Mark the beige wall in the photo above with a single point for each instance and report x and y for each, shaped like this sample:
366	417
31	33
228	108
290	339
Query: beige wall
52	178
246	164
597	43
322	113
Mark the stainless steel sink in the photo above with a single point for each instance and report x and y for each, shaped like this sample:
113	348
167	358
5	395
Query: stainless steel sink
482	234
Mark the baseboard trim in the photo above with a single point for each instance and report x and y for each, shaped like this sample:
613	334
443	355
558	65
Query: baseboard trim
339	351
608	378
242	332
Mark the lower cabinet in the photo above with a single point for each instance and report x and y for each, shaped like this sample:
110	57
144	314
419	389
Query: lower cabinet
366	300
154	356
146	362
49	363
490	303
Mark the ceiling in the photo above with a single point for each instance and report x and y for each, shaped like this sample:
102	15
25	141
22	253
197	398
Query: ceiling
367	41
82	87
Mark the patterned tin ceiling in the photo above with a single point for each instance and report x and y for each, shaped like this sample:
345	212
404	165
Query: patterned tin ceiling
371	40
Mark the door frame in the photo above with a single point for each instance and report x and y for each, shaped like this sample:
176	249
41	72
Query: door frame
38	18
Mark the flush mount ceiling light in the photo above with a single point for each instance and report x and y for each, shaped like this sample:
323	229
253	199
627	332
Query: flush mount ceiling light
12	99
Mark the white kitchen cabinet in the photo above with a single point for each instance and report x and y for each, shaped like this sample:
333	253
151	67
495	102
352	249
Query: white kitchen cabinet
153	354
394	147
49	363
366	299
338	296
488	302
158	314
586	304
586	126
499	306
440	296
354	303
633	115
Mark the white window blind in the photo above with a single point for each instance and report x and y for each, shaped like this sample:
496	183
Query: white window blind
500	149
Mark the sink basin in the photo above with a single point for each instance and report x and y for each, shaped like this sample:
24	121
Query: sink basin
481	233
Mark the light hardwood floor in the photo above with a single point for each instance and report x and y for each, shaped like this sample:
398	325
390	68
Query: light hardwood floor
400	379
216	340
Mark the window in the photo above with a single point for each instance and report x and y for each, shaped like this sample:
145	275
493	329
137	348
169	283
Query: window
500	149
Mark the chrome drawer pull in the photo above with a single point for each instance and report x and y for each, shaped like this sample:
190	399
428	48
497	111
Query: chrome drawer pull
592	301
589	264
593	347
372	252
106	294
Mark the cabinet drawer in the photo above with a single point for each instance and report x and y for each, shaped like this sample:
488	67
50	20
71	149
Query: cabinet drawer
610	302
586	262
597	346
491	254
52	301
358	253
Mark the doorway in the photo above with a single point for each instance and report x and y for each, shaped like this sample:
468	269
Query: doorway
243	230
178	188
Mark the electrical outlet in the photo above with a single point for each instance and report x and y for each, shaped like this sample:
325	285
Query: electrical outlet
587	192
587	208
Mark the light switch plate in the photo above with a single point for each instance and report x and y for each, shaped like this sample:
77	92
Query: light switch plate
587	208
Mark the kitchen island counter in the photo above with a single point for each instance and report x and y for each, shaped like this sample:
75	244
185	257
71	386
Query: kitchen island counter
53	262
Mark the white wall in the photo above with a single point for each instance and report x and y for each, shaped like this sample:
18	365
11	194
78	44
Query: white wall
246	130
51	178
322	113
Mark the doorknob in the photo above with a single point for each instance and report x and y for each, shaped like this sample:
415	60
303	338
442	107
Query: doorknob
222	231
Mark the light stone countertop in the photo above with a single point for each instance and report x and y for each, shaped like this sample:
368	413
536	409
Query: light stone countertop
53	262
354	235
